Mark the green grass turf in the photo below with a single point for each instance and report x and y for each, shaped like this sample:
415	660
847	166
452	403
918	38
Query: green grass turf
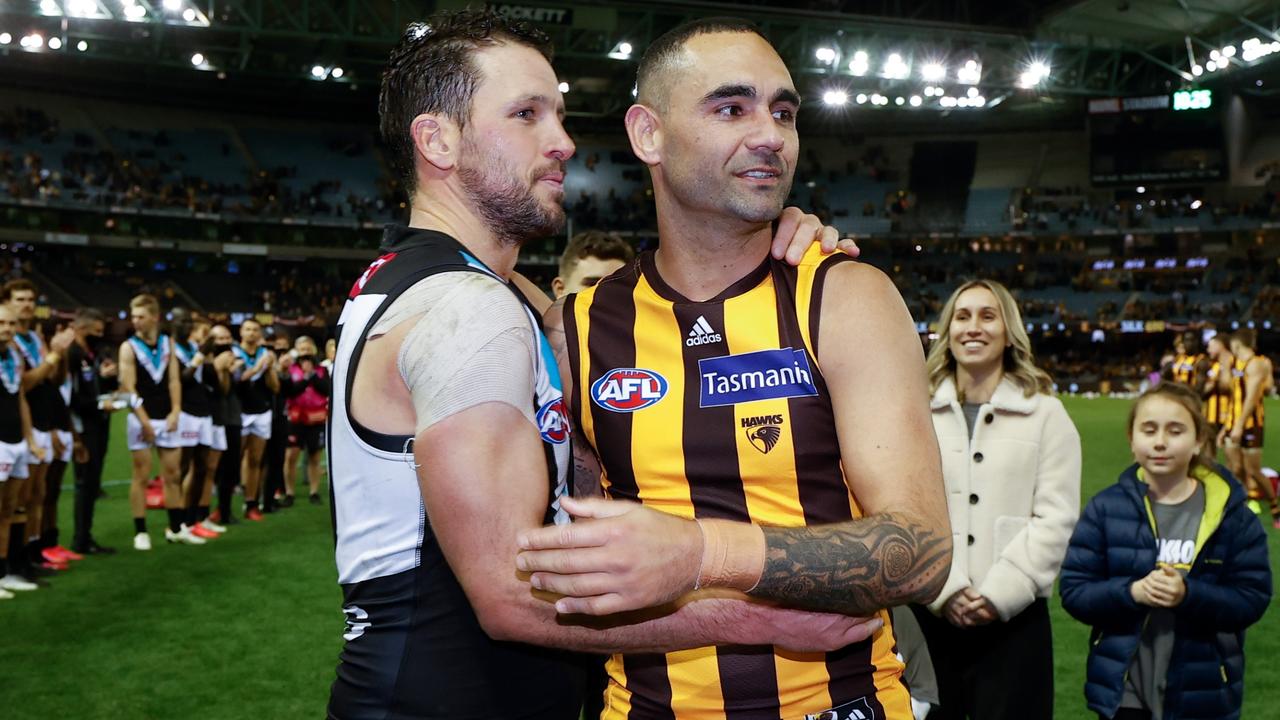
250	627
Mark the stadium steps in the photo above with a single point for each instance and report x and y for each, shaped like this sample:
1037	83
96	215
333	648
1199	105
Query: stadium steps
986	209
1033	179
187	298
57	295
1251	312
237	142
95	130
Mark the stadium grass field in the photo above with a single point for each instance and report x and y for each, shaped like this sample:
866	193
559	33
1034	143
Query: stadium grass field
250	626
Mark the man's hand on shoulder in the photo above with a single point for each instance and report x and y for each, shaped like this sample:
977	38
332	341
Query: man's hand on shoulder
797	231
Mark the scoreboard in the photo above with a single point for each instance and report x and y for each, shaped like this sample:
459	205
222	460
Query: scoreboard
1176	138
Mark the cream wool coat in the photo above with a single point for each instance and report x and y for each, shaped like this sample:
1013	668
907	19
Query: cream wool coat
1013	494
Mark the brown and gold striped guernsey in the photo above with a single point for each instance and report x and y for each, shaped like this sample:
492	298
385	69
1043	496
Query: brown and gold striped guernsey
1217	407
718	409
1258	417
1184	368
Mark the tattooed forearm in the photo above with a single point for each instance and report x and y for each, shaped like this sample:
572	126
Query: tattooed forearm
856	567
586	467
586	471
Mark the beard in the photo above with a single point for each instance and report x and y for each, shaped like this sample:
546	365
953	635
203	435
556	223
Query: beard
505	202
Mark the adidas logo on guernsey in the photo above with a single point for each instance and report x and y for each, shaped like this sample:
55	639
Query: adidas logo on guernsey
702	334
859	709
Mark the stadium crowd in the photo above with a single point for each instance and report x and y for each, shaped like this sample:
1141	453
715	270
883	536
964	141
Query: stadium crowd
95	176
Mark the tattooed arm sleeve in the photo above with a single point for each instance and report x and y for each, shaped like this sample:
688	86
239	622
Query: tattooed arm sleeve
900	549
855	568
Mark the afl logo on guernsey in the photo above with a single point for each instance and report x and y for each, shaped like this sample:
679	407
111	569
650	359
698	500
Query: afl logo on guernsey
626	390
553	422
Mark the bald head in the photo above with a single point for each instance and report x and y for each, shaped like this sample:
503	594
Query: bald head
8	324
666	58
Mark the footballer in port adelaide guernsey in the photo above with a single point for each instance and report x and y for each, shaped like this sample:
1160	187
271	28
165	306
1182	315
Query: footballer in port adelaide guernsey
448	432
757	428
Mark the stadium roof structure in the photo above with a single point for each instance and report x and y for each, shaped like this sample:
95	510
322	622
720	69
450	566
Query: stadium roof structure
911	60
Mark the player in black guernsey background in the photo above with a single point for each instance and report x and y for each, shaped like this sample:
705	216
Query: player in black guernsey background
195	421
17	446
255	386
149	371
44	372
46	546
227	410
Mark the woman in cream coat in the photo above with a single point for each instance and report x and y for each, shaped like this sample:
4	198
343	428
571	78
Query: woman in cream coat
1011	462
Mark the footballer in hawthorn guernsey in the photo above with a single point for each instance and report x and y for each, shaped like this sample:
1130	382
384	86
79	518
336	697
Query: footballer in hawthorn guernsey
760	427
1252	381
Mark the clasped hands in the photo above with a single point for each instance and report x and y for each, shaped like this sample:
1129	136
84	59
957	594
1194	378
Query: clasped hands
968	608
618	556
1162	587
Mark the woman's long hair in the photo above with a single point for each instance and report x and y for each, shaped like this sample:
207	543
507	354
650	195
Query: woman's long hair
1019	362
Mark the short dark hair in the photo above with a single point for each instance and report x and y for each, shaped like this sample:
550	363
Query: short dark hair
1193	342
431	71
17	284
180	320
594	243
658	57
1247	337
86	315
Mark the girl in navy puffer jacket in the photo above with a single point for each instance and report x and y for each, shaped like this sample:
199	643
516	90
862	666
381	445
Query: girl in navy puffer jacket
1169	567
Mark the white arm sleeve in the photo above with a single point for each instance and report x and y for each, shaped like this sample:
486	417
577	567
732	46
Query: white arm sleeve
472	343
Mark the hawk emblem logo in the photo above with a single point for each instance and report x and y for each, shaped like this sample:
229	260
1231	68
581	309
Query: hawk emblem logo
763	438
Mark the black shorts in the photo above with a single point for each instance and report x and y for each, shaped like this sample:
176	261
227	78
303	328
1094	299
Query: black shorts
1252	438
308	437
415	651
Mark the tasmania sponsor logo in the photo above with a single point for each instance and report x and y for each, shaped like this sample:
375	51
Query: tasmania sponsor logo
628	389
760	375
553	421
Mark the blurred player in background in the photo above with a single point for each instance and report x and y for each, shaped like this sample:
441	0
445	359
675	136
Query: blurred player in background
149	372
588	258
1216	392
1252	381
256	386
